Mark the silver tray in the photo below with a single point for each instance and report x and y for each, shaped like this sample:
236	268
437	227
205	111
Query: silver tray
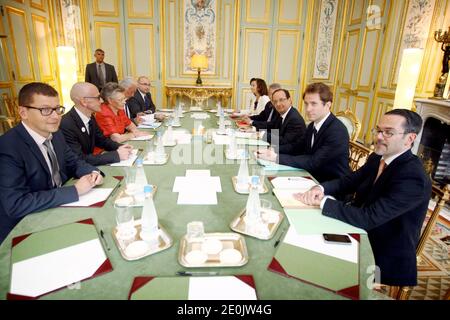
148	162
229	240
238	224
123	199
234	180
165	242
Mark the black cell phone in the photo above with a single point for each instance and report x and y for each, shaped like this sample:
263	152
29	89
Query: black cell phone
337	238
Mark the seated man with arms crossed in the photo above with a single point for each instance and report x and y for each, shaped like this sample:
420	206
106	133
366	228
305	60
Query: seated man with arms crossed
324	150
35	160
82	133
391	195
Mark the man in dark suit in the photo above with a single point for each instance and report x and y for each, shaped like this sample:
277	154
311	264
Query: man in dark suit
82	133
99	73
141	102
269	116
35	160
391	198
324	150
289	127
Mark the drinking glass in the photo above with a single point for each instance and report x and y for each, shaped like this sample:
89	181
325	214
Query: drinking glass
125	223
130	180
258	171
195	231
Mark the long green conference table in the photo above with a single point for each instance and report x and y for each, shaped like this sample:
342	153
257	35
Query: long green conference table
174	218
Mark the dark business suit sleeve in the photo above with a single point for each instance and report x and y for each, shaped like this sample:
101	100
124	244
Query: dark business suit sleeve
87	75
152	105
74	141
74	166
395	201
394	198
134	107
113	73
263	115
350	182
294	133
331	147
105	143
18	199
23	181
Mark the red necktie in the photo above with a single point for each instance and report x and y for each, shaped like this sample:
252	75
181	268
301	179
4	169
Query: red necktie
381	167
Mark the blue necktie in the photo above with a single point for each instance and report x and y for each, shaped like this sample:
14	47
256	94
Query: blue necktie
146	102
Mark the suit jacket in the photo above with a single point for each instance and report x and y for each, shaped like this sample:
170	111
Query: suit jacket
392	210
260	120
91	74
327	159
82	143
26	185
136	104
289	134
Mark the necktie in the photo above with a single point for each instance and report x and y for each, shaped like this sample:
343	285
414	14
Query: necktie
90	126
314	136
381	168
256	105
146	102
54	163
101	76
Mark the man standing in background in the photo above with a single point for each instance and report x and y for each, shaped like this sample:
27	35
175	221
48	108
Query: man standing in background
99	73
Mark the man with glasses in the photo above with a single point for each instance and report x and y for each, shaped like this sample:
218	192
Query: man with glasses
100	73
82	133
391	195
324	150
289	127
141	102
35	160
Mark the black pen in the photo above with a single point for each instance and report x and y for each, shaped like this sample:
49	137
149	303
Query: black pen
115	188
279	238
102	235
201	273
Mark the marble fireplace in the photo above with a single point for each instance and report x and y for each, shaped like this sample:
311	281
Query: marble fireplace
433	143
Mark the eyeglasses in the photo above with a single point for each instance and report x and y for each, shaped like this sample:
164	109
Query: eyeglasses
145	84
97	97
46	111
386	133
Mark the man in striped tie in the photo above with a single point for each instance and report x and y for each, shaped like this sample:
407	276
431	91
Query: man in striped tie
35	160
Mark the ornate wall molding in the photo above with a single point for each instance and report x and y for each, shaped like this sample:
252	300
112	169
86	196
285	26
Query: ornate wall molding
417	24
325	39
199	33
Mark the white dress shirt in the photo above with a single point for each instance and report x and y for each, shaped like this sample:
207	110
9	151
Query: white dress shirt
40	143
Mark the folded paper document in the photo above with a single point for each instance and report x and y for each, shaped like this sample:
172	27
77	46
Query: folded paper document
52	259
240	287
309	258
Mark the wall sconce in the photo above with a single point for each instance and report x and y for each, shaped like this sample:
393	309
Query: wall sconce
441	88
198	62
408	76
67	65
